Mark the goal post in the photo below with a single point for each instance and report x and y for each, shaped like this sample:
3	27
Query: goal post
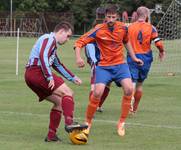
17	53
169	29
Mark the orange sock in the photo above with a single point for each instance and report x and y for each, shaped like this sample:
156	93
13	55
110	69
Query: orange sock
91	108
90	94
137	97
126	104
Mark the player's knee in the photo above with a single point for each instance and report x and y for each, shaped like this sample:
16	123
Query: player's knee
68	92
128	91
97	94
57	104
139	88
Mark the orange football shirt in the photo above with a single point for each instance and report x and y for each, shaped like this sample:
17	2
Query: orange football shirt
140	35
110	42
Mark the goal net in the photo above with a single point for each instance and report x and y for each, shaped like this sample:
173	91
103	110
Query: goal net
169	29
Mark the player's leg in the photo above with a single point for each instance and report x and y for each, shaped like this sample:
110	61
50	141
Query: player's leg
134	70
67	103
127	86
94	102
138	92
131	112
92	80
60	99
137	95
123	77
105	93
103	98
55	118
102	78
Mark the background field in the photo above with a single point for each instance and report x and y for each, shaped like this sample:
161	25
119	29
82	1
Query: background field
24	121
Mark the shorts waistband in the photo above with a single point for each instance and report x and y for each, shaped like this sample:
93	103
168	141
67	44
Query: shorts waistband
33	63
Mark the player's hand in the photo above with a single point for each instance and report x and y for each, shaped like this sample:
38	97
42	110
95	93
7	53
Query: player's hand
139	62
162	55
51	84
77	80
80	62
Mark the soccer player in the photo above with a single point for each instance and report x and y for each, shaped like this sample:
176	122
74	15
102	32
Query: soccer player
47	85
93	56
141	33
110	37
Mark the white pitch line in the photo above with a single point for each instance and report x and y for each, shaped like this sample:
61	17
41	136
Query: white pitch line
96	120
137	124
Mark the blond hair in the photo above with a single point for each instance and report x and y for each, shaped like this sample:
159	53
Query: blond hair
143	12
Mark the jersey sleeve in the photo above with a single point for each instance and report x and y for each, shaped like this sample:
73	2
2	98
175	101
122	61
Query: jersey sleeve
154	33
157	40
90	53
60	68
44	50
88	37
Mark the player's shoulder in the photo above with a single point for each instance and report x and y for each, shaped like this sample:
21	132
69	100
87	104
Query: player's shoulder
135	24
96	28
150	26
43	38
99	25
154	29
138	25
121	25
47	36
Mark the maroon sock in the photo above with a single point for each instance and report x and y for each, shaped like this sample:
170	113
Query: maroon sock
68	109
104	95
55	117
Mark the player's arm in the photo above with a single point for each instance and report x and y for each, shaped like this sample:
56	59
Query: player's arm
66	73
158	43
132	54
130	48
44	50
80	43
90	52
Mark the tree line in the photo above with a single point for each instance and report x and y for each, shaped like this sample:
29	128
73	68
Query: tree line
83	11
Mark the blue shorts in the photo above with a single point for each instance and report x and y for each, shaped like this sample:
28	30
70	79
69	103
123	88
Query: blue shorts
107	74
140	73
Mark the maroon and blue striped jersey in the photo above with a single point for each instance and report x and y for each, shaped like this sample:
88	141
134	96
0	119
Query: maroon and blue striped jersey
44	54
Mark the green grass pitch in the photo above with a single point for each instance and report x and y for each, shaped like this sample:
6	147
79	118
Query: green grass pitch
24	121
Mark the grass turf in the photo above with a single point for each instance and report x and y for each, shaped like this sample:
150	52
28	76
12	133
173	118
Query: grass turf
24	121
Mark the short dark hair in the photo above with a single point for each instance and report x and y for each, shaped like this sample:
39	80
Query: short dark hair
112	9
100	13
64	25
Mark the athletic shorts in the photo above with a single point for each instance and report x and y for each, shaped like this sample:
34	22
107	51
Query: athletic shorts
140	73
37	82
116	73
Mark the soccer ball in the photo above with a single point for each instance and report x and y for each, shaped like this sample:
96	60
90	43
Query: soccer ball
78	137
